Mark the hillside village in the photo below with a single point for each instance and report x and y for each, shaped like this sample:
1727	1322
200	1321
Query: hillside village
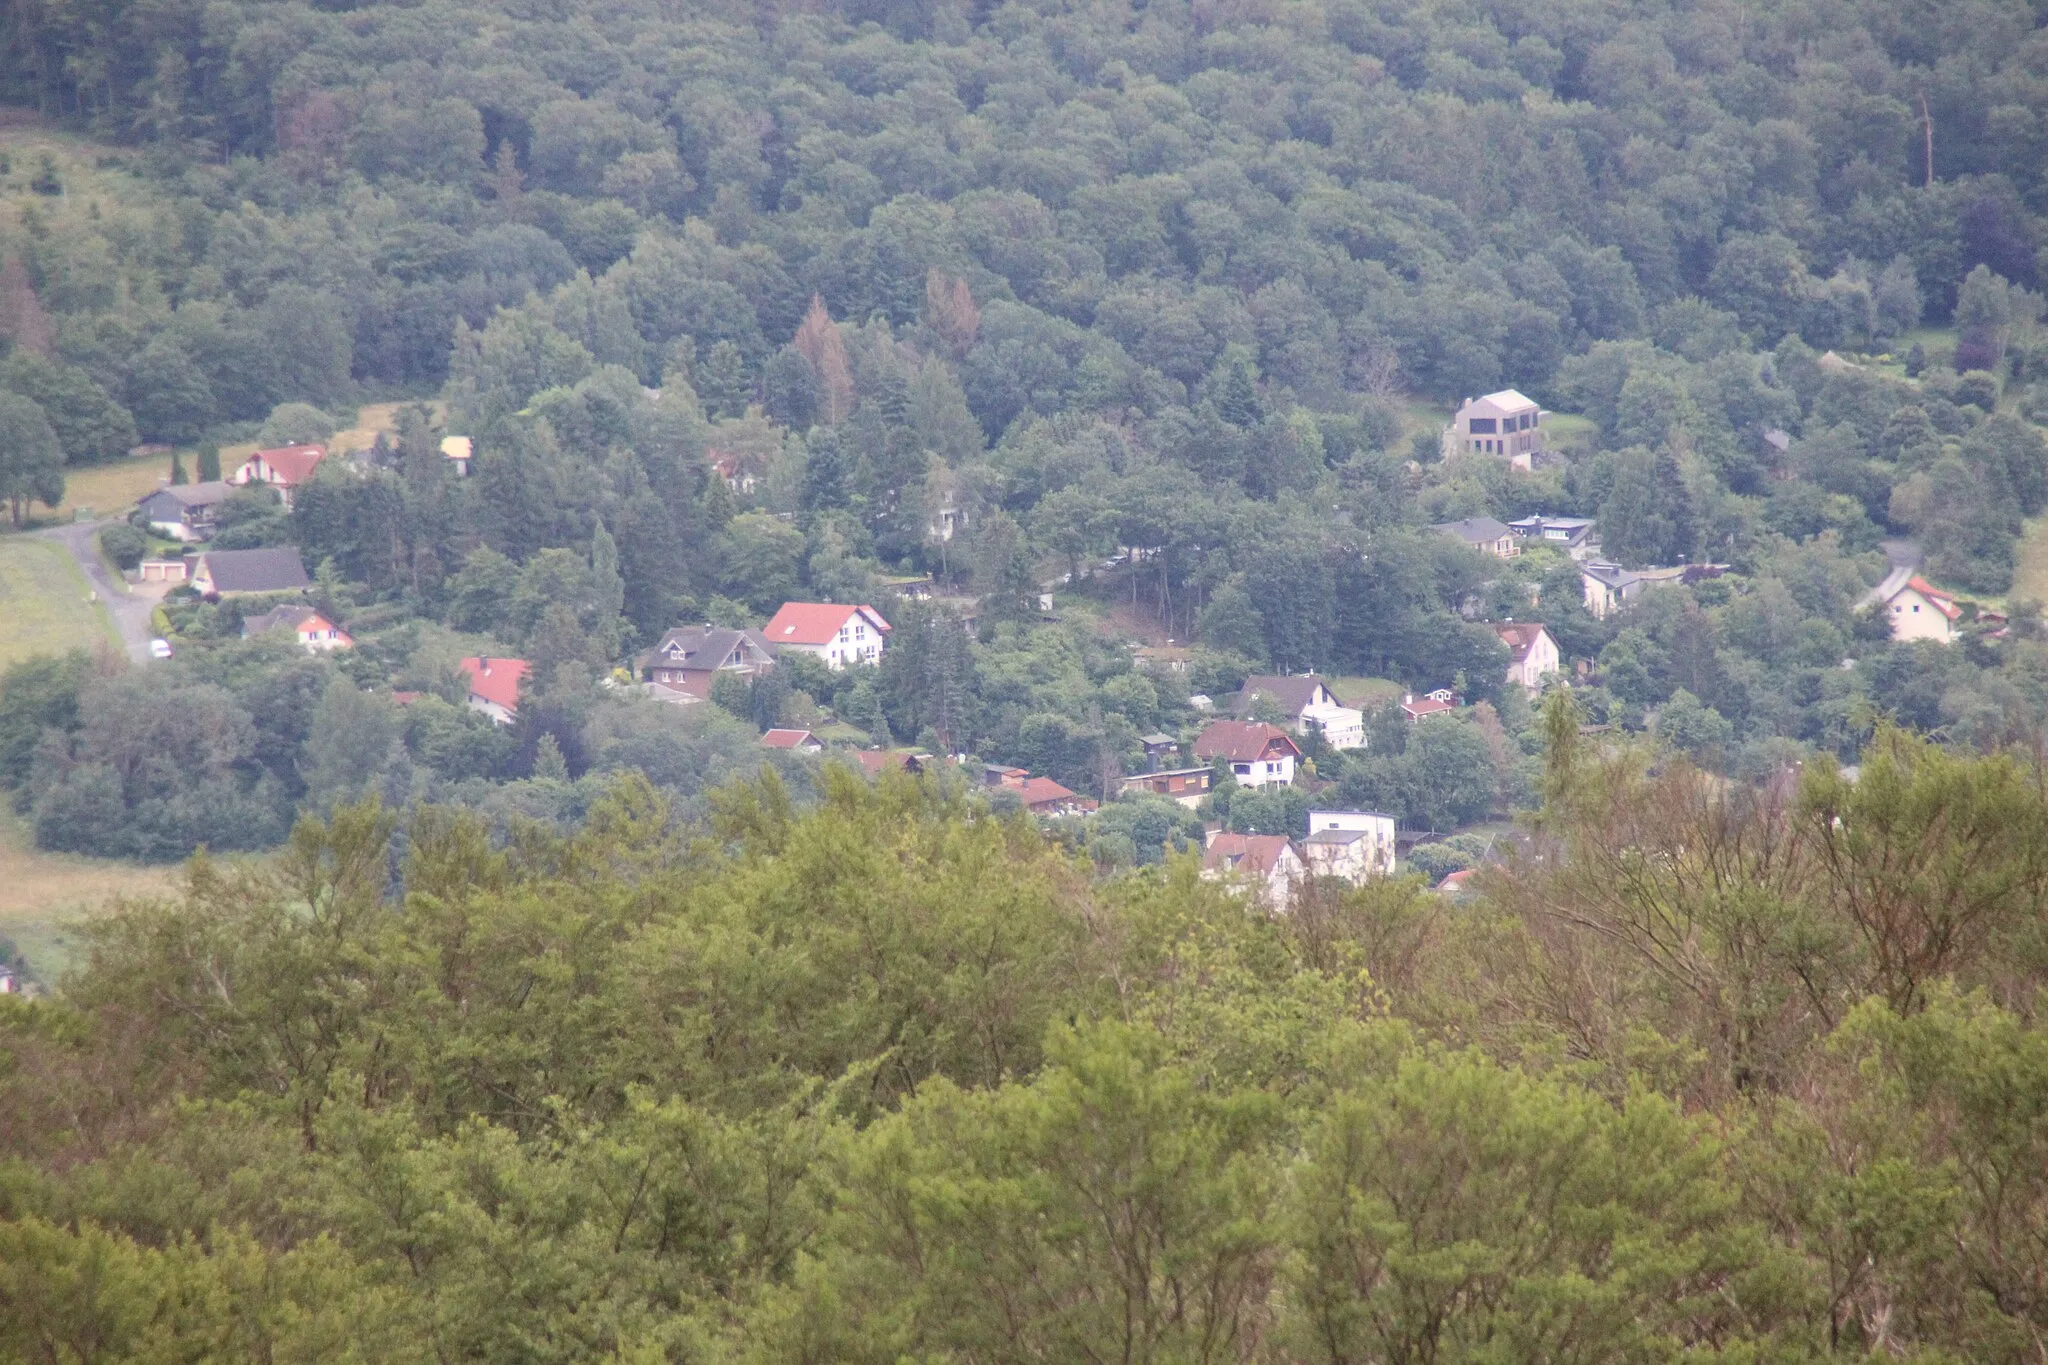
1266	736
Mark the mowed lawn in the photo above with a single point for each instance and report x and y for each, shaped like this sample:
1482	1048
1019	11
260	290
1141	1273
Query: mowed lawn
45	896
43	602
111	490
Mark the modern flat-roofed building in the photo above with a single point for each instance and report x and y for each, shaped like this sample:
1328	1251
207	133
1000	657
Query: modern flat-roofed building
1508	424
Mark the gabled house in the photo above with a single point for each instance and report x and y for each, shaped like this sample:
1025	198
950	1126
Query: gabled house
1921	611
687	658
840	635
1532	653
1505	423
1484	534
1456	884
875	762
285	468
1040	795
793	741
1266	864
1043	796
1259	755
1160	749
227	573
1308	702
458	451
1436	703
1353	845
1609	587
494	686
186	511
1573	535
314	632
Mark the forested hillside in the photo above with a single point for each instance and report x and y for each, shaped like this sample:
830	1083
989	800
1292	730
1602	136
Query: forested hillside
1160	306
1129	333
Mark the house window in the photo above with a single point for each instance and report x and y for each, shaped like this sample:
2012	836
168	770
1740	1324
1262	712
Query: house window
1272	767
1241	769
1484	426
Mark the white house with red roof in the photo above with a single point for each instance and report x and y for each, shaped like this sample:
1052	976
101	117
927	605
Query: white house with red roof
1259	755
1437	703
494	686
1533	654
314	632
840	635
796	741
1266	864
1921	611
284	468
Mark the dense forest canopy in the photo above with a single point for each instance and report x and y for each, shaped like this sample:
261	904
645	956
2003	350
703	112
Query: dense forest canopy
1720	1075
1161	307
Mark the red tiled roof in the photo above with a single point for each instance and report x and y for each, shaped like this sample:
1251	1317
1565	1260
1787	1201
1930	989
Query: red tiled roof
787	739
1042	791
1942	602
1456	880
1519	636
813	623
1426	706
877	761
1241	741
1255	853
293	465
497	680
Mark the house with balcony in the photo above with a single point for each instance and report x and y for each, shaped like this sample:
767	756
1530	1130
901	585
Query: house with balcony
1576	536
842	636
1507	424
1307	702
1484	534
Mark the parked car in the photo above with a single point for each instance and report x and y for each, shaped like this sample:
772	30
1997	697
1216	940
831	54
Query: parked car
159	649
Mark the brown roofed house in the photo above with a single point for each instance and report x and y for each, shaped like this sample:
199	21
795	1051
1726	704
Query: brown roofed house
1268	863
1259	754
1532	653
285	468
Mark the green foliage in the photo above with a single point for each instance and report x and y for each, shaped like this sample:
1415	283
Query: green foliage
124	545
291	424
31	461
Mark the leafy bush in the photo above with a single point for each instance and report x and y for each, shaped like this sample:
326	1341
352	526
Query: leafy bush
124	545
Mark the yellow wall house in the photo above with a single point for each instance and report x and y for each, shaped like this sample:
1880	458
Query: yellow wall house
1921	611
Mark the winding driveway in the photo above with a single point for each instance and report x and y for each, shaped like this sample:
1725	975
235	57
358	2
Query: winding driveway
1905	560
129	609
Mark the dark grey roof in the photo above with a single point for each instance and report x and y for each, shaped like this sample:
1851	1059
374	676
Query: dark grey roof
278	569
292	614
1292	693
1473	530
193	494
699	647
1336	836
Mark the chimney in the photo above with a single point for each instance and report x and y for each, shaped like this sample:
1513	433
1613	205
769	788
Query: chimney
1407	698
1210	830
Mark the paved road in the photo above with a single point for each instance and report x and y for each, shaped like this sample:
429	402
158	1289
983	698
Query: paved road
130	610
1905	559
